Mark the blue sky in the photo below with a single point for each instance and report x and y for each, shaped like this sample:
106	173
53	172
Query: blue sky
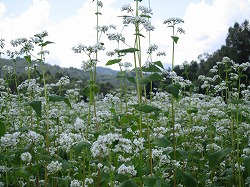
72	22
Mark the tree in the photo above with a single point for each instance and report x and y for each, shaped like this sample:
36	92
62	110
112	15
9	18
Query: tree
238	42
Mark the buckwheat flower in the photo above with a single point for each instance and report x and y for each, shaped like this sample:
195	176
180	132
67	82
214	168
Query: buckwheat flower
44	52
102	28
161	53
112	26
43	34
180	30
75	183
10	140
63	81
148	63
123	169
127	8
127	64
88	65
100	4
145	10
79	48
152	48
79	124
116	36
26	157
88	181
54	167
148	26
173	21
98	47
110	53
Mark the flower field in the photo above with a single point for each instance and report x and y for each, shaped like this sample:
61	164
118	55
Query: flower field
174	135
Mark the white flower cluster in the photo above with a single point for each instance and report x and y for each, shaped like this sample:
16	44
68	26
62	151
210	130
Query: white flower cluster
116	36
67	140
88	49
26	157
152	48
109	98
145	10
10	140
8	69
54	167
123	169
63	81
88	181
101	145
89	64
75	183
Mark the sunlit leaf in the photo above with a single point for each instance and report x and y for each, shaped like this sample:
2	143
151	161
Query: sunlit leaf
151	77
158	63
114	61
151	68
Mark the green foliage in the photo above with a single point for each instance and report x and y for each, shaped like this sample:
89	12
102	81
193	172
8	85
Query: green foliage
216	157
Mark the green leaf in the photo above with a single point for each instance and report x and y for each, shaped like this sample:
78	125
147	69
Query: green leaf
28	58
45	43
149	181
129	50
145	16
114	61
37	106
79	146
246	162
162	142
2	128
128	183
151	68
192	111
147	108
216	157
139	34
236	102
175	38
158	63
187	178
58	98
132	80
174	90
152	77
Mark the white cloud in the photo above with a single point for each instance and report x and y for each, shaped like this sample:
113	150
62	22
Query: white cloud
2	9
207	25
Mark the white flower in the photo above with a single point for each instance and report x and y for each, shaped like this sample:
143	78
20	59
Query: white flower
123	169
54	167
75	183
26	157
